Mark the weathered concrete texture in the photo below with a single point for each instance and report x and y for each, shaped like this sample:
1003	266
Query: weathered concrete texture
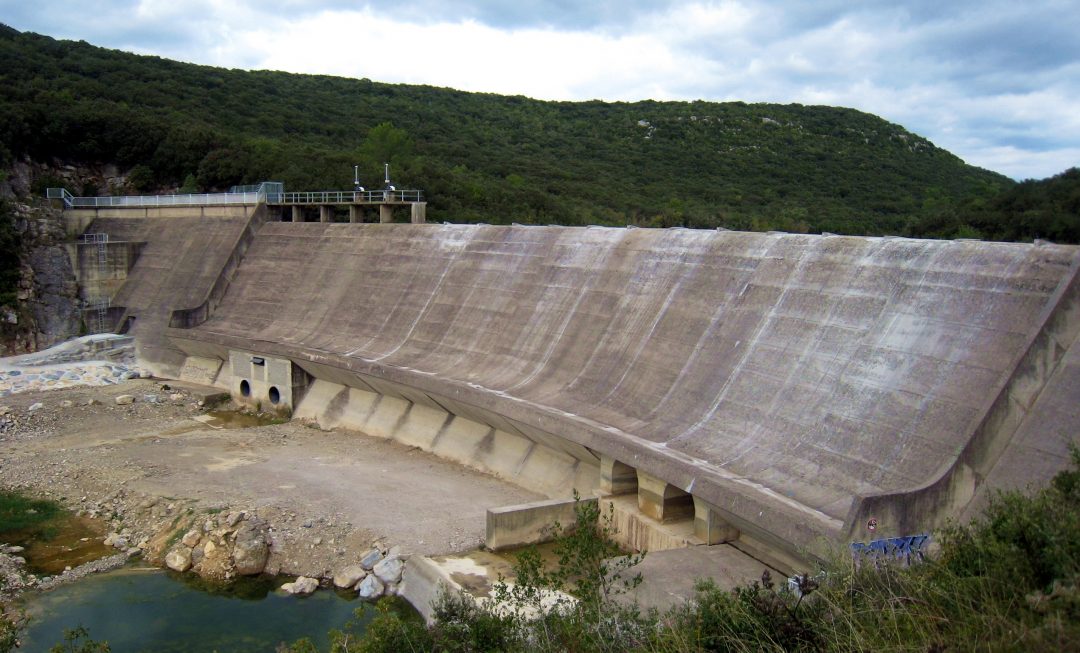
529	523
668	577
779	377
549	466
185	251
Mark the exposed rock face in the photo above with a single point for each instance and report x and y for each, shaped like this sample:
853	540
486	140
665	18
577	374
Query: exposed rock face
302	585
179	559
349	576
47	309
370	559
55	304
250	549
370	588
389	570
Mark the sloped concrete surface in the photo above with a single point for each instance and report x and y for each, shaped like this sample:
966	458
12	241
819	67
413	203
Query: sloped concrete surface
779	376
184	253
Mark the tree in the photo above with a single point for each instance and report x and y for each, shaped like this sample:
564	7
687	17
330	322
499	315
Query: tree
386	144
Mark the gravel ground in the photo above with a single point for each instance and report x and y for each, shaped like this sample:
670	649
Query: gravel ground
151	465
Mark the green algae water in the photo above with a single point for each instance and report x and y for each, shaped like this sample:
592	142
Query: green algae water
144	609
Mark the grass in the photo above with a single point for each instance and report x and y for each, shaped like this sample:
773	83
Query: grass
22	514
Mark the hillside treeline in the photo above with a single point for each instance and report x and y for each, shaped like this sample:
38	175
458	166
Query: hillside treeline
497	159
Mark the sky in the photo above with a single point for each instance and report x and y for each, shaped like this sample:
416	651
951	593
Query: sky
996	83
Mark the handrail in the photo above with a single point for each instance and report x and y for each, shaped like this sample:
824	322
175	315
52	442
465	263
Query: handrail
269	192
59	194
201	199
346	197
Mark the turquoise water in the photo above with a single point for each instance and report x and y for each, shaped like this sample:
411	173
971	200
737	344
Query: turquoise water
137	610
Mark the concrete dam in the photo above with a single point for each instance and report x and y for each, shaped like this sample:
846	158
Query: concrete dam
787	392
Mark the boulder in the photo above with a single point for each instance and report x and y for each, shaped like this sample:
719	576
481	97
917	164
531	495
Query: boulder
389	570
370	558
36	406
124	400
370	588
191	538
302	586
349	576
179	559
250	549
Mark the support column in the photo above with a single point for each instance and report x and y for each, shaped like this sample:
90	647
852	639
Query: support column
661	500
616	477
356	214
710	527
419	213
297	214
386	213
326	213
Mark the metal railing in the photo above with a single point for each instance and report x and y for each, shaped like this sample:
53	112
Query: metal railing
270	192
346	197
200	199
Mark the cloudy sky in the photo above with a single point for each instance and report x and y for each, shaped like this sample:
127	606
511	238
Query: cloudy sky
997	83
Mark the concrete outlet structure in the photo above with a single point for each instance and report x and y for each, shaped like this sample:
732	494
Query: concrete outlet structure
266	383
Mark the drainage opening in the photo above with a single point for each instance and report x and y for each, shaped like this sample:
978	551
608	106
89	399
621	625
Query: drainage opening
245	388
275	396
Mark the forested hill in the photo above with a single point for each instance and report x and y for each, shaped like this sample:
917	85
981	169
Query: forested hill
479	157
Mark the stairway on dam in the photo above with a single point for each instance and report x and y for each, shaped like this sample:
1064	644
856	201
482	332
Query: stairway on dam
778	390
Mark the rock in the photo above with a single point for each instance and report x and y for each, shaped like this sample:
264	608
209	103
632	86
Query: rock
36	406
133	551
389	570
92	402
317	541
111	538
370	588
179	559
209	548
13	549
67	403
370	558
349	576
250	549
176	397
302	586
5	410
124	400
191	538
120	543
151	399
234	518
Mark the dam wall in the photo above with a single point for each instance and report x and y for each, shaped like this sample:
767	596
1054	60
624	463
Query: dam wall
793	385
181	253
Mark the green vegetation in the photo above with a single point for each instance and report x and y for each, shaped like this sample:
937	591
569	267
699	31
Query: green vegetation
1009	581
21	513
496	159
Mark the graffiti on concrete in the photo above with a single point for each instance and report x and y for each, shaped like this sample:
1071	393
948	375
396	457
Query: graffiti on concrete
904	549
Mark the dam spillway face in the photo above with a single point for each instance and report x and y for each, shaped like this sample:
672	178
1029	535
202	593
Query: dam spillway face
776	387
